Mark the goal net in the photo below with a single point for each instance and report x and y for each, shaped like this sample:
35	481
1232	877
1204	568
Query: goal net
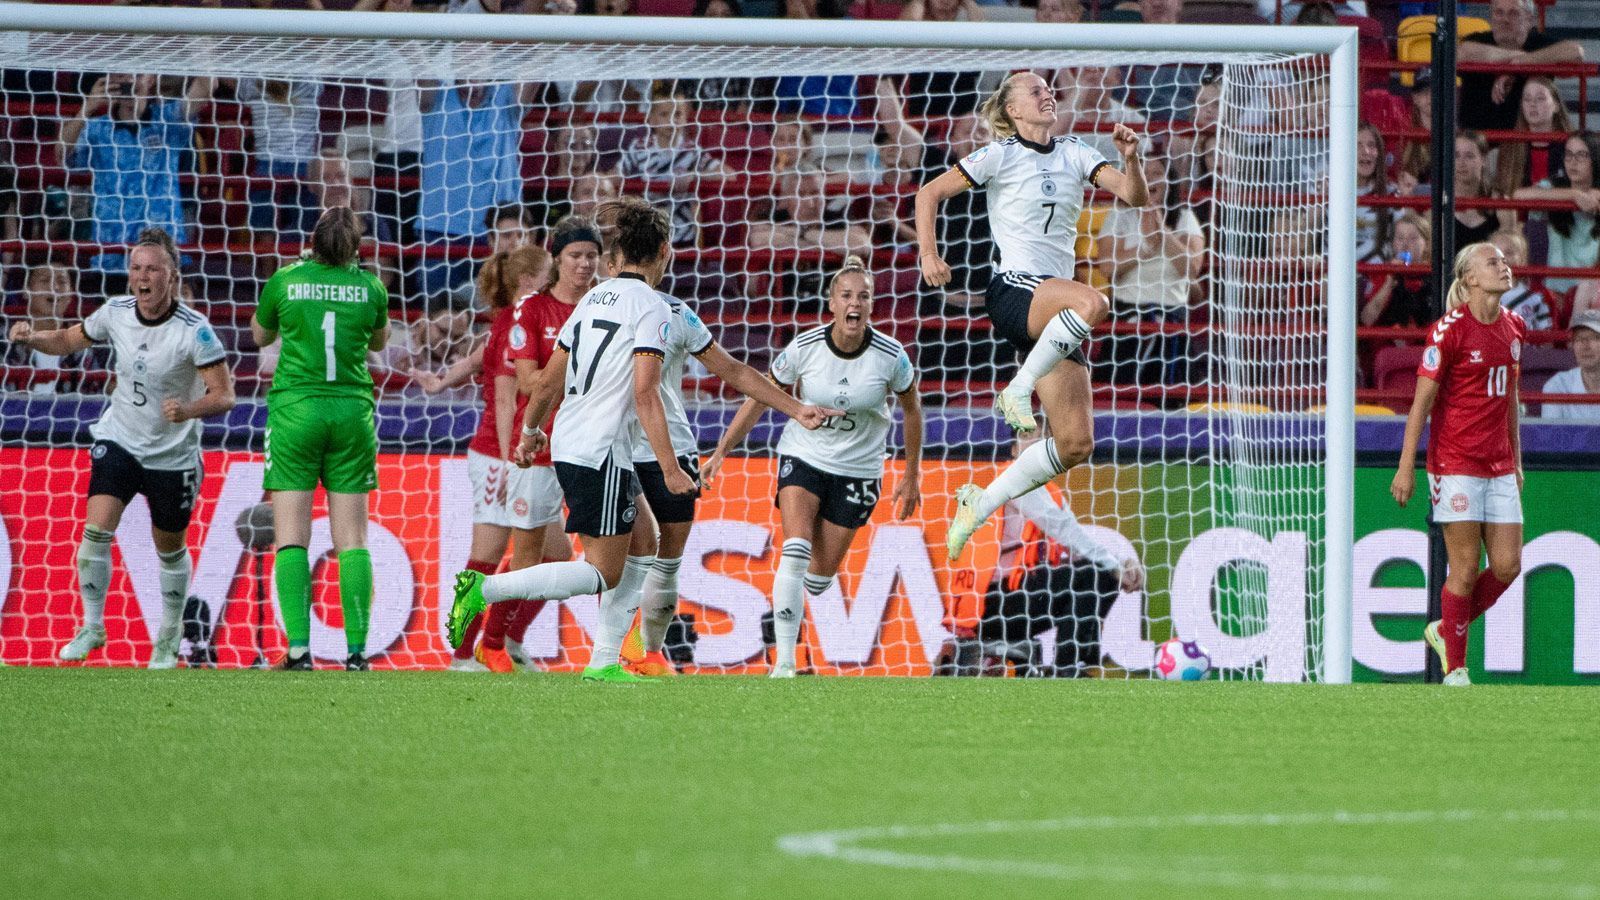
777	148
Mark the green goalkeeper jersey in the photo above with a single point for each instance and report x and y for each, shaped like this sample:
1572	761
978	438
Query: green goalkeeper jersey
326	316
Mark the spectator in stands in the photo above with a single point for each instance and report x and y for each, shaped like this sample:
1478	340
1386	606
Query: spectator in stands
285	123
1490	101
328	184
1528	301
1373	224
1519	164
133	143
430	343
733	94
1092	95
1189	149
673	166
1574	235
941	93
1416	159
10	225
964	228
1156	256
800	221
1531	303
1404	299
1058	12
398	144
510	226
1472	181
52	303
1165	92
1582	379
471	162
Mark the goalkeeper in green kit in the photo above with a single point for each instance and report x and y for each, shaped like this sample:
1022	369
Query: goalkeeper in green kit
320	423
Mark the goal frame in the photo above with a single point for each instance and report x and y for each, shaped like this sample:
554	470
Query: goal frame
1338	43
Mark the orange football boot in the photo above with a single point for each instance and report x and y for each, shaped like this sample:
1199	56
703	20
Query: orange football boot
652	665
497	661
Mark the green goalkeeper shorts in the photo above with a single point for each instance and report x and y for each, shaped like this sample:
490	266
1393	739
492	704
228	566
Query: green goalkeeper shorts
328	439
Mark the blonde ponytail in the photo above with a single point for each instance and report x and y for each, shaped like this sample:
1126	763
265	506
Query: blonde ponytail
1457	297
993	108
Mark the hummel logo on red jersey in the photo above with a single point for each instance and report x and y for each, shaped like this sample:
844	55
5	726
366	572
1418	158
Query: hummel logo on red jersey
1477	356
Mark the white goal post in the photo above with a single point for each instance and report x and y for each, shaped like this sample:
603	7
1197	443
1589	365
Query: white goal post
1313	361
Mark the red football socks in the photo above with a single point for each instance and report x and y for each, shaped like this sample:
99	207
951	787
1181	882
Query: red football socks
1453	628
1486	593
522	616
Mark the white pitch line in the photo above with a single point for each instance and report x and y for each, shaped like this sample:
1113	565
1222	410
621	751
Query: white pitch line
843	845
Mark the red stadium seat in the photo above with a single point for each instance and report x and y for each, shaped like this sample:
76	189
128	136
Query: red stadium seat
1395	368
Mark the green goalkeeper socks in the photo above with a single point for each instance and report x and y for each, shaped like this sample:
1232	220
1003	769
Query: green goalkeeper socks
292	574
355	595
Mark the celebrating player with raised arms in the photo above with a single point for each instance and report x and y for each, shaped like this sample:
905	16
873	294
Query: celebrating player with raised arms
829	479
1468	383
320	426
1035	186
171	372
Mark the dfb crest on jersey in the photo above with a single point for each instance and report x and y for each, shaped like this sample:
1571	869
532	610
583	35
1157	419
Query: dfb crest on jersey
788	467
1048	188
1516	350
1430	358
629	514
842	401
139	366
98	451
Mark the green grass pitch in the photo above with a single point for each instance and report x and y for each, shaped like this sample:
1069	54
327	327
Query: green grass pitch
224	784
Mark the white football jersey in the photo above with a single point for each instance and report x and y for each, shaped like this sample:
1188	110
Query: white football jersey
686	336
153	360
616	320
859	383
1035	192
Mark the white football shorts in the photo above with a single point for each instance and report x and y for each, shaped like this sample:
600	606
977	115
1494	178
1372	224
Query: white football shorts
1467	498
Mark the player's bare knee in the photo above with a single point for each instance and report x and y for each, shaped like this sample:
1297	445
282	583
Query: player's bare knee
1073	448
1095	308
1506	568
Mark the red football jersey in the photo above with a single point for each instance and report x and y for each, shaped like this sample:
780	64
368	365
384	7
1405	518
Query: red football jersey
539	318
1476	366
484	440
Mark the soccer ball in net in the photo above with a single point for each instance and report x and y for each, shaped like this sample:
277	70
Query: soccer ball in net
1179	660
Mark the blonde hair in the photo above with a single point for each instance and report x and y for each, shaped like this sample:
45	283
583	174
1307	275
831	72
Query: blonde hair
1421	223
993	108
853	265
1457	297
1518	241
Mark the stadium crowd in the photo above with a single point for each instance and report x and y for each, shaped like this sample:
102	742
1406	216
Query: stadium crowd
769	181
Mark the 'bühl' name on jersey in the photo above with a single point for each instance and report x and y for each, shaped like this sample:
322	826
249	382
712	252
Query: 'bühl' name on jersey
851	445
687	336
154	360
618	319
1034	192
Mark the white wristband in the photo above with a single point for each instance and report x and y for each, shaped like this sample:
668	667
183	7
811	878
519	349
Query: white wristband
529	432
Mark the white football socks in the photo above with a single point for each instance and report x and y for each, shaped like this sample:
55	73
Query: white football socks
94	574
176	570
617	609
817	585
546	581
788	598
1063	334
660	602
1033	467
